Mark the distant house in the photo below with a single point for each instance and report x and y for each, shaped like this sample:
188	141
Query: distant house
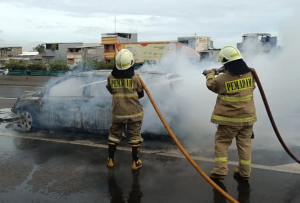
30	56
56	51
8	52
87	51
109	40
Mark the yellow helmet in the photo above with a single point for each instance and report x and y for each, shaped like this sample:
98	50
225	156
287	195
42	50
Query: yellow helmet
124	59
228	54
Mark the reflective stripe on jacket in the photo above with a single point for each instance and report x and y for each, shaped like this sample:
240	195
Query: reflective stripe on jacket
126	107
235	103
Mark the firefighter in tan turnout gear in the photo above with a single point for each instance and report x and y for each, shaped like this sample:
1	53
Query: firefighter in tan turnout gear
127	111
234	112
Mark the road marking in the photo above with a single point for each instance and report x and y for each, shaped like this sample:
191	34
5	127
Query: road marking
287	168
7	98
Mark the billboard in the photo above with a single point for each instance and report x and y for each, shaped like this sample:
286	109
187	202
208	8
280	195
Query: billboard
203	43
154	52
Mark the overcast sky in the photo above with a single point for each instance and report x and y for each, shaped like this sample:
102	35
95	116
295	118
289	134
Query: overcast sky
27	23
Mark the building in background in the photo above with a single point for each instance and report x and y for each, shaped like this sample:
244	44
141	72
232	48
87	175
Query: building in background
197	43
109	41
8	52
155	51
56	51
203	45
74	55
256	42
87	51
30	56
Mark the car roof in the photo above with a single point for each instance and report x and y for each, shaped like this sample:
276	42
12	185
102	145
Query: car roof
107	72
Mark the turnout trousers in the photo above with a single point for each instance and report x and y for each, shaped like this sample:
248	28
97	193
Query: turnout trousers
223	139
133	130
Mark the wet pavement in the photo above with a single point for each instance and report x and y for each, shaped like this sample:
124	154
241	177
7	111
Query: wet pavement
10	94
41	171
53	166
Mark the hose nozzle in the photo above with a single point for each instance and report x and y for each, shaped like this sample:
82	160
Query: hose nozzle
218	71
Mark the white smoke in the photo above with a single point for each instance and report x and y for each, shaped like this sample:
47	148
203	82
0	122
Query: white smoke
193	103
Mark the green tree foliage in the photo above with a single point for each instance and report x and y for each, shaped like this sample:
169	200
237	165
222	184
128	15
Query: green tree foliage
16	65
38	65
53	47
58	65
93	64
40	48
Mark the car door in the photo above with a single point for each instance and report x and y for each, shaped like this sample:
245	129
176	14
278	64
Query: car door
96	109
61	104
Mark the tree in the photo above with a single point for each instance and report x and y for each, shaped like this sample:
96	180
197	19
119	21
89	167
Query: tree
53	47
40	48
15	65
58	65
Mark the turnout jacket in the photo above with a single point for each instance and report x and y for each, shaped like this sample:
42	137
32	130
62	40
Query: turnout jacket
235	104
126	107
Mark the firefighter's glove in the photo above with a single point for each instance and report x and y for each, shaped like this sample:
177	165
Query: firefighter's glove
211	74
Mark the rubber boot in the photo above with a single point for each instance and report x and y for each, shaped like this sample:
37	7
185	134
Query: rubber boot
237	175
137	163
217	176
112	147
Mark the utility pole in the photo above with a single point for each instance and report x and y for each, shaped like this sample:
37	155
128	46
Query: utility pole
115	24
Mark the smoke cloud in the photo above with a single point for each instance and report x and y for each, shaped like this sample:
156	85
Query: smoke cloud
187	104
189	108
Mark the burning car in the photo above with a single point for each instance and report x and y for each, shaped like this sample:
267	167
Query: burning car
81	102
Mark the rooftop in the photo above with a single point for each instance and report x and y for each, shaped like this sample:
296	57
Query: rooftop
10	47
117	33
256	34
65	43
192	37
28	53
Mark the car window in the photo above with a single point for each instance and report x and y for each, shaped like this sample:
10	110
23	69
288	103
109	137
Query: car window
99	89
68	88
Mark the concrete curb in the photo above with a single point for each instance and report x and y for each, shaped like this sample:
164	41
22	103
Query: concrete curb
37	81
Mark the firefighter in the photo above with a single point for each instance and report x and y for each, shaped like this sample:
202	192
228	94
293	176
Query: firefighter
234	112
127	110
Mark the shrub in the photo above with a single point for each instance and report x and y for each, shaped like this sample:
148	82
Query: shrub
92	64
15	65
58	65
39	65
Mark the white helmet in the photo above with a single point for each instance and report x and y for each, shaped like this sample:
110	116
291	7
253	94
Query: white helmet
124	59
228	54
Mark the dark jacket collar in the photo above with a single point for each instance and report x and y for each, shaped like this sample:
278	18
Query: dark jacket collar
129	73
238	67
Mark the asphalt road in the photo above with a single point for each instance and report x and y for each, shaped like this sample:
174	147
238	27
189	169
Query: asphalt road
52	166
10	94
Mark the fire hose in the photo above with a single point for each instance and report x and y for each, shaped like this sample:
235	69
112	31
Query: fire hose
264	98
189	158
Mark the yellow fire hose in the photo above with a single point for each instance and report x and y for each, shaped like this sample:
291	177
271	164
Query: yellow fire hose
189	158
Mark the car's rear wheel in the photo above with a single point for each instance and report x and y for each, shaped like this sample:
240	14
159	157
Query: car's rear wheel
26	120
